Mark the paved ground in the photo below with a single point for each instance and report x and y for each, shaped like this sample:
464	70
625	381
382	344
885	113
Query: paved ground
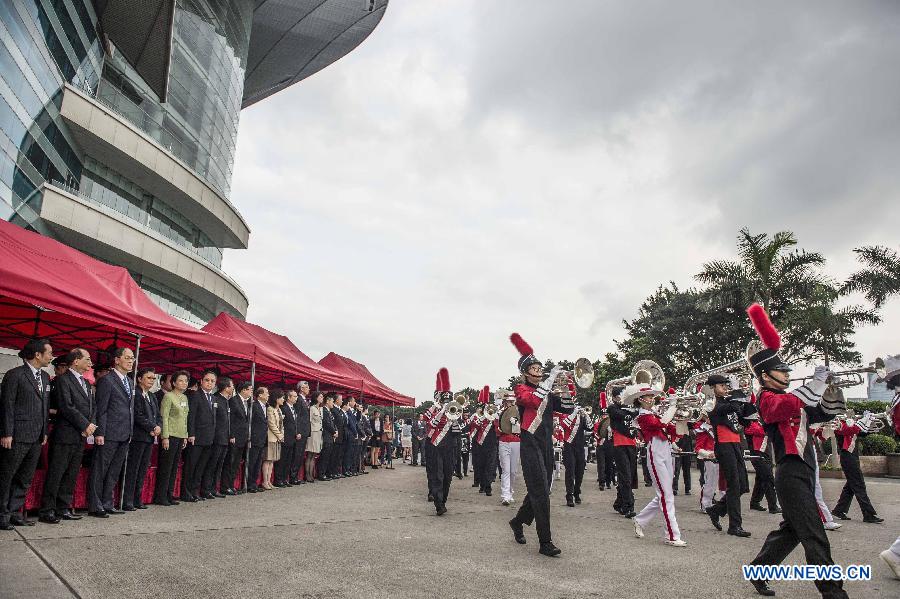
375	536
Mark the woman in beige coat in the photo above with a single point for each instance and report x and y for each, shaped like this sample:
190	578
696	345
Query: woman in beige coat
274	435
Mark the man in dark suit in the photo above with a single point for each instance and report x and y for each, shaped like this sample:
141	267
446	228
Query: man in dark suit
259	427
340	425
111	439
23	428
285	474
147	428
329	432
221	438
350	442
304	428
418	437
201	430
239	417
74	423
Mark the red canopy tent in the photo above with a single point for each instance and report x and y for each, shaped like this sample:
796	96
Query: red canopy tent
371	385
277	351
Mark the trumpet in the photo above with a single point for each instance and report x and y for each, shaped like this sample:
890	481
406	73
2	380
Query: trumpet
853	377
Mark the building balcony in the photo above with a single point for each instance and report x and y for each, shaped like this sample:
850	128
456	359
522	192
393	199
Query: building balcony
138	154
113	237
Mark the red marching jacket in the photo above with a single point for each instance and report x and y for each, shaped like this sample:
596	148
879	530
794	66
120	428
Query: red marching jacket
756	435
703	438
652	427
848	434
534	407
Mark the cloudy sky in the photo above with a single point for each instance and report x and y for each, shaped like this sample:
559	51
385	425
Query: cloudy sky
476	168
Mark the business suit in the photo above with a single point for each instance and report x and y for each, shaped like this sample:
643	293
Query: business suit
350	443
23	416
114	424
222	434
75	411
202	427
328	430
259	429
146	418
337	456
304	428
238	422
285	470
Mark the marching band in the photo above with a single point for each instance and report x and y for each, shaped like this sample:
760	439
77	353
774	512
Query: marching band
540	422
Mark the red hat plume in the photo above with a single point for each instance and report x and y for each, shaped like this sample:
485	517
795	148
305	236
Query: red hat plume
671	391
603	400
444	378
484	396
767	332
437	382
521	345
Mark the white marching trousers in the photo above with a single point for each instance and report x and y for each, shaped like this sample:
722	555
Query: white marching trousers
824	512
509	464
710	484
661	464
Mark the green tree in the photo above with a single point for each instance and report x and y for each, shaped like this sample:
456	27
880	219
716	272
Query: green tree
880	278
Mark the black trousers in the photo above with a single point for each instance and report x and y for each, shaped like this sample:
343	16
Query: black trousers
285	463
63	465
626	469
537	460
489	459
440	469
601	465
731	464
231	465
855	486
167	470
416	450
764	483
336	458
645	468
476	453
299	454
324	462
457	454
213	471
465	464
135	472
682	465
17	466
795	485
198	457
573	460
255	460
106	468
349	453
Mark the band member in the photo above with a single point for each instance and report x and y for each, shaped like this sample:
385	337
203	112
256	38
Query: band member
536	408
606	466
764	483
855	486
574	425
625	452
476	422
786	418
704	446
658	432
508	450
486	441
683	449
724	419
440	465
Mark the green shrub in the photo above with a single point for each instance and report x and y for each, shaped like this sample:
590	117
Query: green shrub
861	406
876	445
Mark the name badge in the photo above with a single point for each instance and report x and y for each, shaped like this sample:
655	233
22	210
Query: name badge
215	404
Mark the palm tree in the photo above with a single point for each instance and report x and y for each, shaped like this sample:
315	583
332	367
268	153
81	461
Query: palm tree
767	271
880	279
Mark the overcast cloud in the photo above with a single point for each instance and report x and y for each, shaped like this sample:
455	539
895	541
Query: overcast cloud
482	167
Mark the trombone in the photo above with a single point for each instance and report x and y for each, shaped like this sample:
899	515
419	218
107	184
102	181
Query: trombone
853	377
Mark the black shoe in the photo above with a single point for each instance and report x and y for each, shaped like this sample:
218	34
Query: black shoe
840	515
253	490
190	499
762	587
873	519
430	498
163	503
738	532
630	514
174	501
757	507
459	476
70	515
481	490
607	486
775	510
474	484
674	491
49	518
648	484
98	514
577	498
687	492
487	493
140	506
441	508
128	508
569	501
218	495
114	512
6	526
230	492
713	517
19	520
549	549
518	533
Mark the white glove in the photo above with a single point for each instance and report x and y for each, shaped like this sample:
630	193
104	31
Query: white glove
821	373
544	388
667	416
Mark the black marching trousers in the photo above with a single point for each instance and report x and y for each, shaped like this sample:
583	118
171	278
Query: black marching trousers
731	464
855	486
682	466
626	467
795	485
574	462
476	453
764	483
440	469
537	468
427	448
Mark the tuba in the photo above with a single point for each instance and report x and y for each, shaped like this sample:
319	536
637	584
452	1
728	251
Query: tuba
645	373
582	374
453	409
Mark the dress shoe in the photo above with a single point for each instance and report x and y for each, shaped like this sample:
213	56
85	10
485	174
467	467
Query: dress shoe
199	497
674	491
775	510
253	490
114	512
762	587
713	517
6	526
549	549
129	508
70	515
140	506
218	495
230	492
840	515
49	518
98	514
19	520
738	532
687	492
163	503
174	501
518	532
577	498
440	507
190	499
757	507
569	501
873	520
487	493
208	495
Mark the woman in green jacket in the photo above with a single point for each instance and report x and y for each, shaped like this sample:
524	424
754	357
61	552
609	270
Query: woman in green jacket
173	411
